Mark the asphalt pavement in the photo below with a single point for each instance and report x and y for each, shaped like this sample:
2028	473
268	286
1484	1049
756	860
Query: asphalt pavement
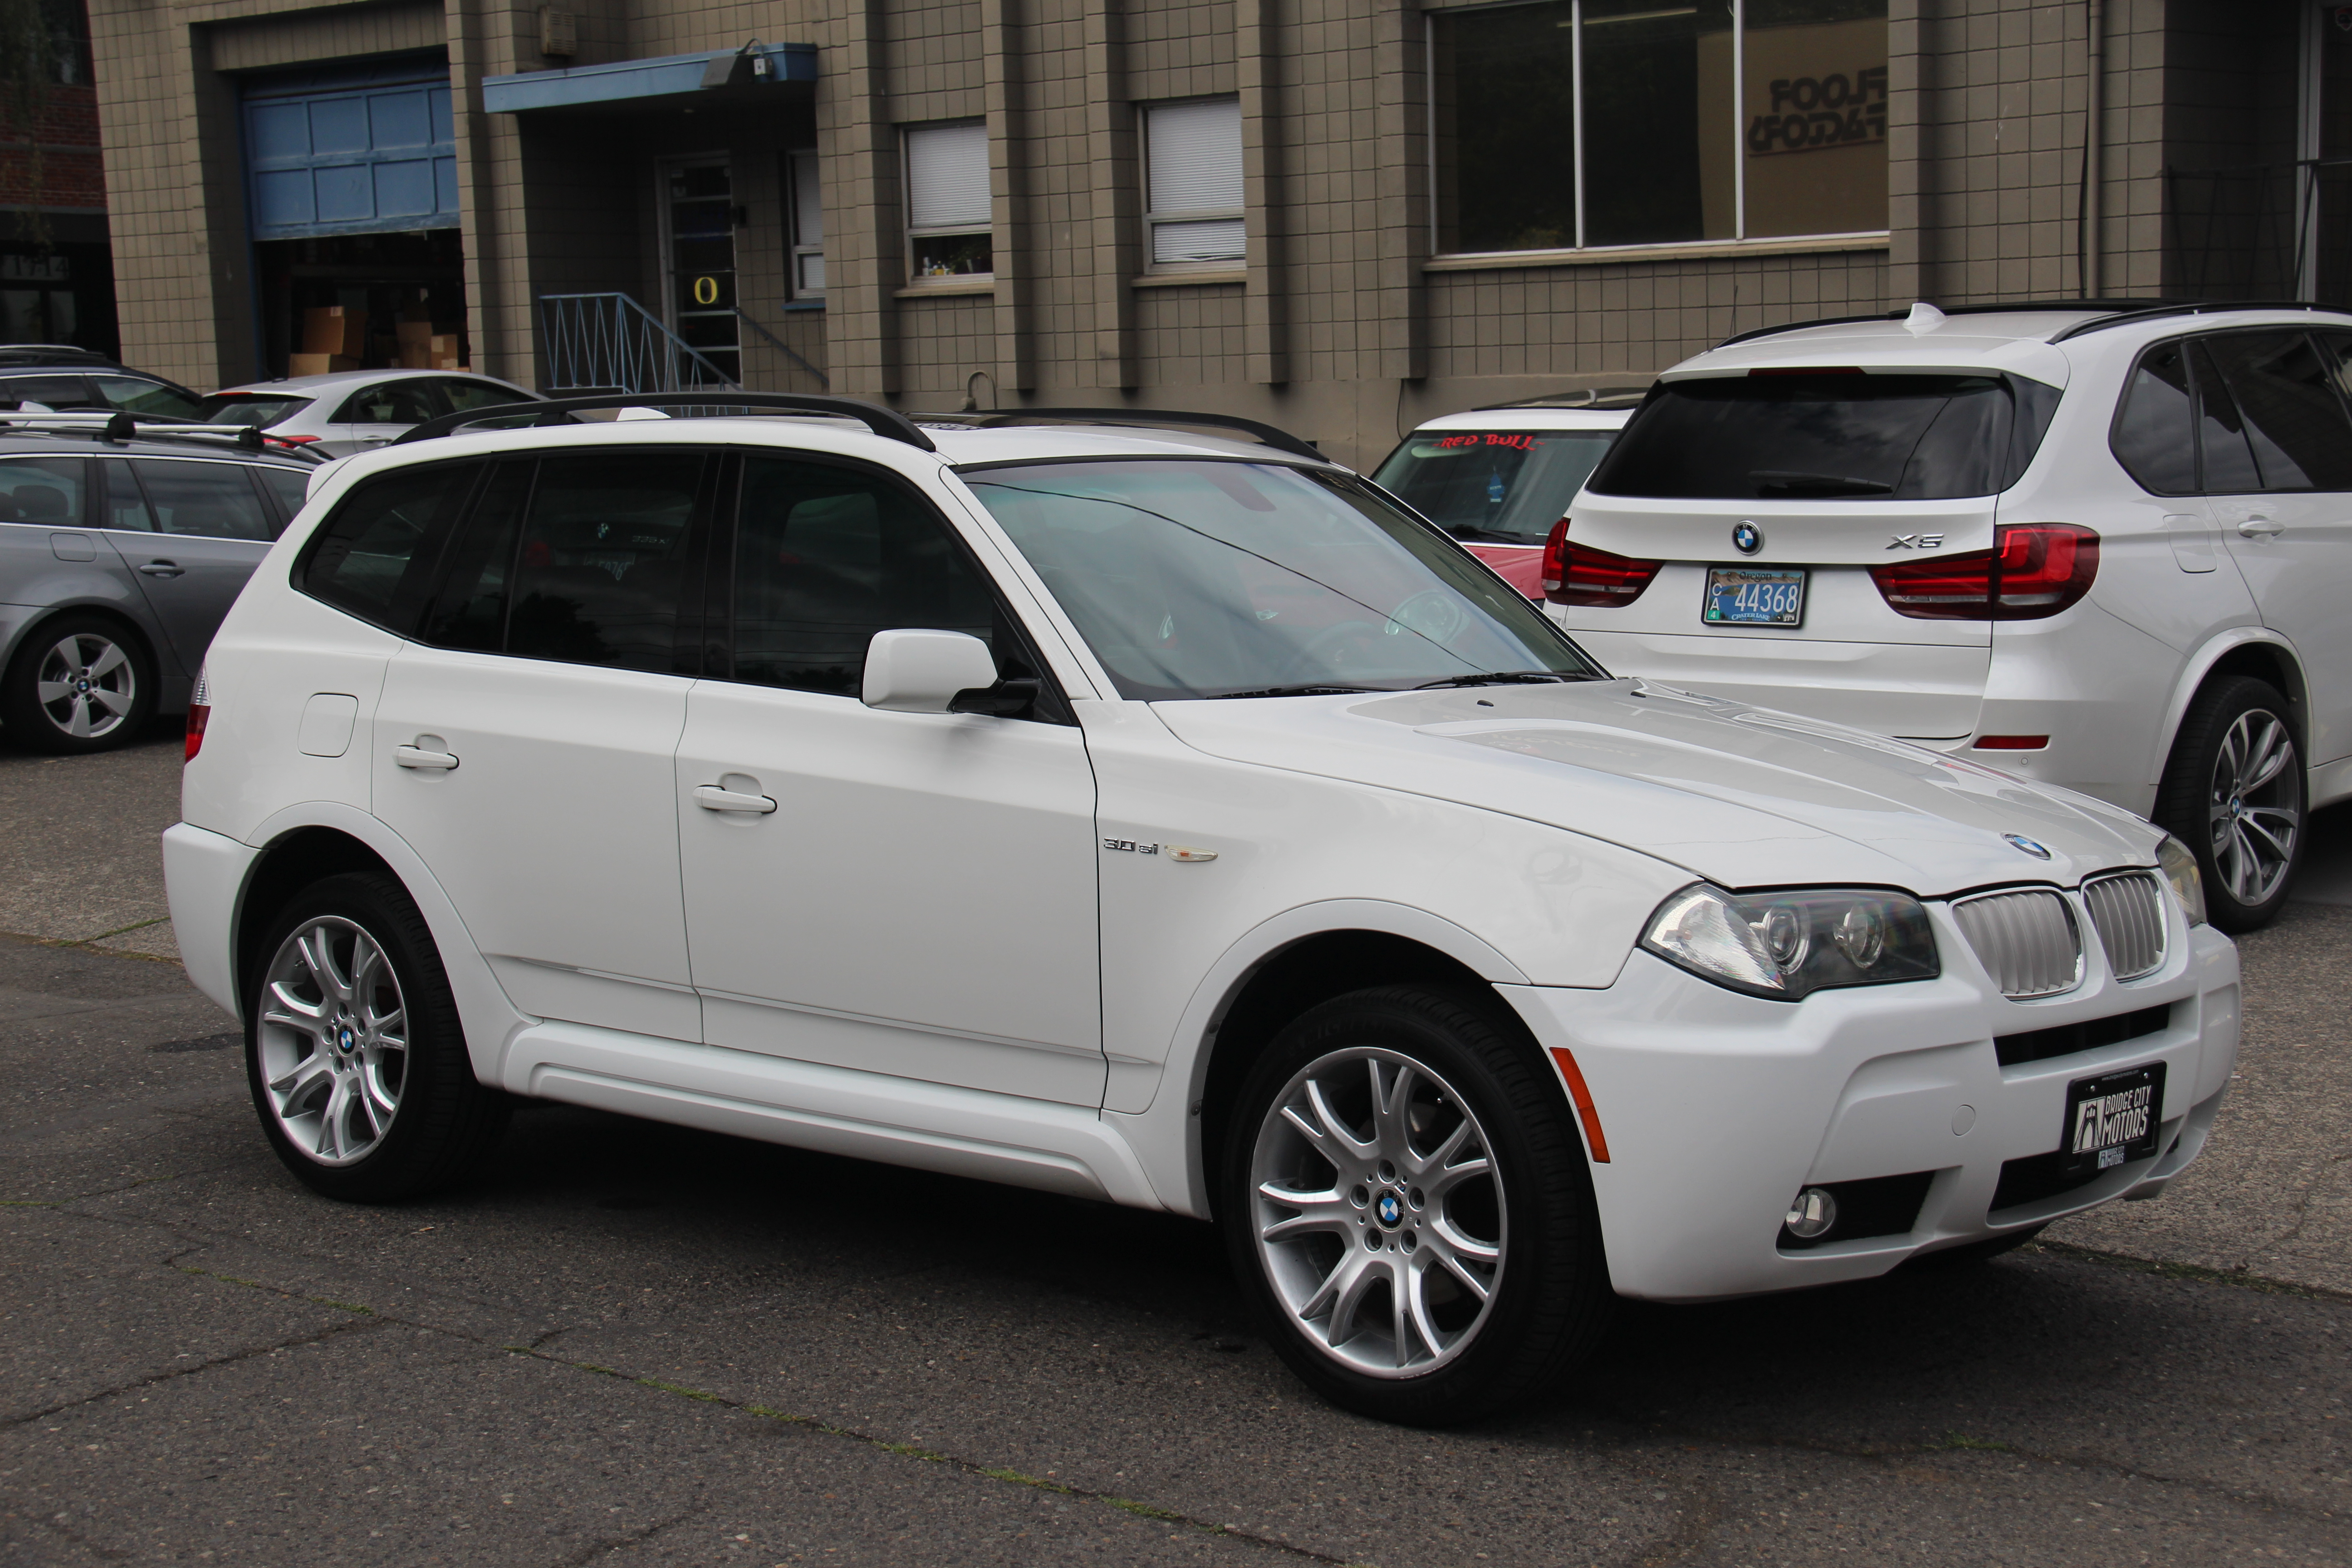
638	1345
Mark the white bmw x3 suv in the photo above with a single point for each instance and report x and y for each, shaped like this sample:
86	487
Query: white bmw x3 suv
2102	546
1158	818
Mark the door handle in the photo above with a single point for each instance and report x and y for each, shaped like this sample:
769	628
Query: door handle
418	757
710	797
163	569
2260	528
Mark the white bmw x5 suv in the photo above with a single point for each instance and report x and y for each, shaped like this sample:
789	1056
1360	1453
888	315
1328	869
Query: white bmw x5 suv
2106	546
1164	819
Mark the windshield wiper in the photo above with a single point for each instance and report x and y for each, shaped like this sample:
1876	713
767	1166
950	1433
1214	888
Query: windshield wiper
1779	482
1318	690
1505	678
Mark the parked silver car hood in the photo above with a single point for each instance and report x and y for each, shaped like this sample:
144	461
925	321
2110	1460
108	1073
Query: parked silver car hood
1744	796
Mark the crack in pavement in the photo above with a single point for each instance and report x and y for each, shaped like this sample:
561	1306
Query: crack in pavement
178	1371
606	1545
122	1111
2301	1206
2194	1271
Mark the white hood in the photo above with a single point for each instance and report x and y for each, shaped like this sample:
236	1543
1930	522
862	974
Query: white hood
1746	797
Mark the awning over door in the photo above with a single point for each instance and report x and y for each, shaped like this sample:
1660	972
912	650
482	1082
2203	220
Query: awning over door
364	150
751	74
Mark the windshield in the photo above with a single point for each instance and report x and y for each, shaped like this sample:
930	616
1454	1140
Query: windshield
1202	578
1829	436
257	408
1497	487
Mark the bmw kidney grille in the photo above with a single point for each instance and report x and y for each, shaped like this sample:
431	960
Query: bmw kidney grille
2028	942
2128	911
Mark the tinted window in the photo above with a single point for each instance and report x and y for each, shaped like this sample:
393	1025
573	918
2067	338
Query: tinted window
212	500
1820	438
410	402
126	503
2226	458
2154	437
825	557
290	485
470	611
145	397
1505	486
604	559
42	490
2291	414
1214	579
465	394
373	556
52	392
259	409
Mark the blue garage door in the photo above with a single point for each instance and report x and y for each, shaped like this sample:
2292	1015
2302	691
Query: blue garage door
368	149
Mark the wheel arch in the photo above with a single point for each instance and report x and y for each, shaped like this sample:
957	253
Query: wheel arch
1288	966
2255	651
104	610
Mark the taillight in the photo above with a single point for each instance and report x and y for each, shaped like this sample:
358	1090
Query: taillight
290	442
199	710
2034	570
1579	574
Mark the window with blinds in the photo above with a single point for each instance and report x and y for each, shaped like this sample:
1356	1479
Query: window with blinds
807	225
1193	178
948	209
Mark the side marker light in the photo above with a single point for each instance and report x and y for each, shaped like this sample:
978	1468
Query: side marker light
1582	1098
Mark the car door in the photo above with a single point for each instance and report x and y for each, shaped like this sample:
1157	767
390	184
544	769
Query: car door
49	553
920	900
379	414
2286	507
193	530
524	743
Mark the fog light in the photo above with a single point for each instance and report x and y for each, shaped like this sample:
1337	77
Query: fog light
1812	1215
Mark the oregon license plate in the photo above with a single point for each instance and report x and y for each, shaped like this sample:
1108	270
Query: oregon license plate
1754	596
2111	1119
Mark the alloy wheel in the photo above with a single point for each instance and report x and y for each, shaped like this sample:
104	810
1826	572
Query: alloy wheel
1379	1212
2255	806
332	1040
86	685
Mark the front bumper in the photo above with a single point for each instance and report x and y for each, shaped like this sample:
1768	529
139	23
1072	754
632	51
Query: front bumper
1719	1107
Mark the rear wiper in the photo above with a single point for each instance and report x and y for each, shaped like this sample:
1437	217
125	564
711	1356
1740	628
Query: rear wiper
1317	690
1778	481
1505	678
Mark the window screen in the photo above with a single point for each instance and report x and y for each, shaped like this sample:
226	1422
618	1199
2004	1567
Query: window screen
2155	436
1193	170
824	558
42	490
603	565
210	501
947	209
374	556
2291	416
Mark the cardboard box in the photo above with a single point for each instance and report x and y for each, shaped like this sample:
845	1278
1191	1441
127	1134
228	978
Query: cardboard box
445	345
333	330
411	358
414	334
320	365
447	362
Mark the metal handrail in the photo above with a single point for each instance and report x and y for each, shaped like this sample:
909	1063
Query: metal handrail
789	352
610	342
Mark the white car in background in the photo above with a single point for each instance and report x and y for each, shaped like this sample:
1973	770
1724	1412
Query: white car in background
352	411
2098	546
1164	819
1499	478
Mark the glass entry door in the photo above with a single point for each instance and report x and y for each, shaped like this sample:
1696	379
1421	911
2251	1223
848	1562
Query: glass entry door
699	260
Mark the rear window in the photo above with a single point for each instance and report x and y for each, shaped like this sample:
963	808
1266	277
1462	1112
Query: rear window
374	556
1831	435
260	409
1497	487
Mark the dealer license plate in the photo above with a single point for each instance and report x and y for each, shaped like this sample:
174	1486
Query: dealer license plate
2111	1119
1752	596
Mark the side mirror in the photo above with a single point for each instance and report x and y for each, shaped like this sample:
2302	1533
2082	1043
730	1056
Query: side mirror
923	671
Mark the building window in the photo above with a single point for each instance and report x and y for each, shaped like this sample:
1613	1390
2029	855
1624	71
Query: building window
807	208
1570	124
948	209
1192	175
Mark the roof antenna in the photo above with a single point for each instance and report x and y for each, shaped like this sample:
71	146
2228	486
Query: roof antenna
1924	318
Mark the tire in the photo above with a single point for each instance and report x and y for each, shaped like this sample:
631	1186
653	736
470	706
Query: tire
2238	729
1975	1252
349	968
79	684
1524	1231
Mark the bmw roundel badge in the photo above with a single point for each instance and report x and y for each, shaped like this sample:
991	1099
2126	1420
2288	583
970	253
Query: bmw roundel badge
1747	538
2027	845
1388	1209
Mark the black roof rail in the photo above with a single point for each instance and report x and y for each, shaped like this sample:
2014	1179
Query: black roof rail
2192	307
2020	305
882	421
1588	397
1280	440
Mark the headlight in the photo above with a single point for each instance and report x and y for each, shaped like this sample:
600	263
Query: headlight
2179	863
1787	945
